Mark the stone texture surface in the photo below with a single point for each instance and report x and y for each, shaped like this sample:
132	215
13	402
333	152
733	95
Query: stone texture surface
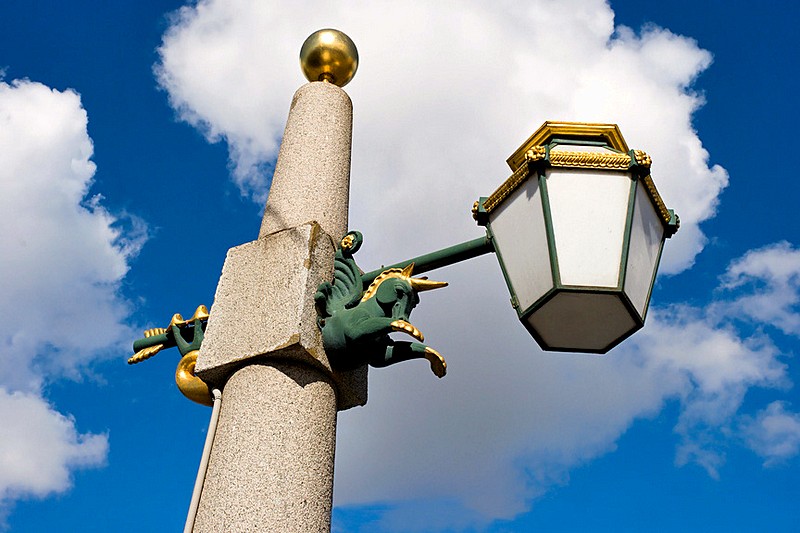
264	307
312	174
272	463
265	300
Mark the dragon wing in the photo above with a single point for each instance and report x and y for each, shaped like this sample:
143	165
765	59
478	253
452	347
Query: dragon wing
347	284
346	289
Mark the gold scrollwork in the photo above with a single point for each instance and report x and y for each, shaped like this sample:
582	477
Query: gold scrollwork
650	187
642	158
505	190
537	153
590	160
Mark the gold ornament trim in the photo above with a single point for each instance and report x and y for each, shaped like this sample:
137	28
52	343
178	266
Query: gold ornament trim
590	160
200	313
537	153
418	284
504	191
642	159
147	353
605	132
347	241
582	160
661	207
189	384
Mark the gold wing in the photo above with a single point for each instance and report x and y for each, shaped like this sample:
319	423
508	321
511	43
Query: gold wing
150	351
154	331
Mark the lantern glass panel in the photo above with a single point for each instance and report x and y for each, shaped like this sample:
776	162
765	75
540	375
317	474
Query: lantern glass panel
589	210
582	321
521	239
647	238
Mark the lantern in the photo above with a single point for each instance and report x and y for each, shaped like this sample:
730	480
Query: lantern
578	229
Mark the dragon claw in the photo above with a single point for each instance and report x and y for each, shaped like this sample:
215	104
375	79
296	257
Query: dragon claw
405	327
358	324
438	364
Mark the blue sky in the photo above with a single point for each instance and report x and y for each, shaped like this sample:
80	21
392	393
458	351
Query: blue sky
136	147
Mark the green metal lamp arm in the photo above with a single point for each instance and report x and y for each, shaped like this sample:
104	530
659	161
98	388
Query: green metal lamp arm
440	258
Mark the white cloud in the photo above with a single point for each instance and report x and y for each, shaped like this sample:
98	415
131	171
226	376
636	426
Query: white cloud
714	365
63	259
40	447
442	97
509	422
772	277
774	433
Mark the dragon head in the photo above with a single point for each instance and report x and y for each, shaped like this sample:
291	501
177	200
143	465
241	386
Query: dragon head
396	292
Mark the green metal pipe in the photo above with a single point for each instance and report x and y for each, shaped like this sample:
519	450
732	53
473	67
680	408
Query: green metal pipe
146	342
439	258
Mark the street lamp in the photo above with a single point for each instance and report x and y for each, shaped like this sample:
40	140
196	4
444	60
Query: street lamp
578	229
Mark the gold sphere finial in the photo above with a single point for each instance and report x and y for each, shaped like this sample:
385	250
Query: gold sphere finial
329	55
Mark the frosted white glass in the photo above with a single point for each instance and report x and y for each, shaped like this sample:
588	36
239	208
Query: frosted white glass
521	239
647	237
582	321
589	210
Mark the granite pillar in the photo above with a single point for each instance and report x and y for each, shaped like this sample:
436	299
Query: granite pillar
271	462
312	174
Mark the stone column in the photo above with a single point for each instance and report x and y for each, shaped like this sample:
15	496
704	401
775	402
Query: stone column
271	464
312	174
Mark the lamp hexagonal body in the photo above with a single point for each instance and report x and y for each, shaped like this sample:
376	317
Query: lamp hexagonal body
578	228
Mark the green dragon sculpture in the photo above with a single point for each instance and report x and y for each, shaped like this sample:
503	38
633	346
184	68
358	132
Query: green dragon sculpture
187	335
356	323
